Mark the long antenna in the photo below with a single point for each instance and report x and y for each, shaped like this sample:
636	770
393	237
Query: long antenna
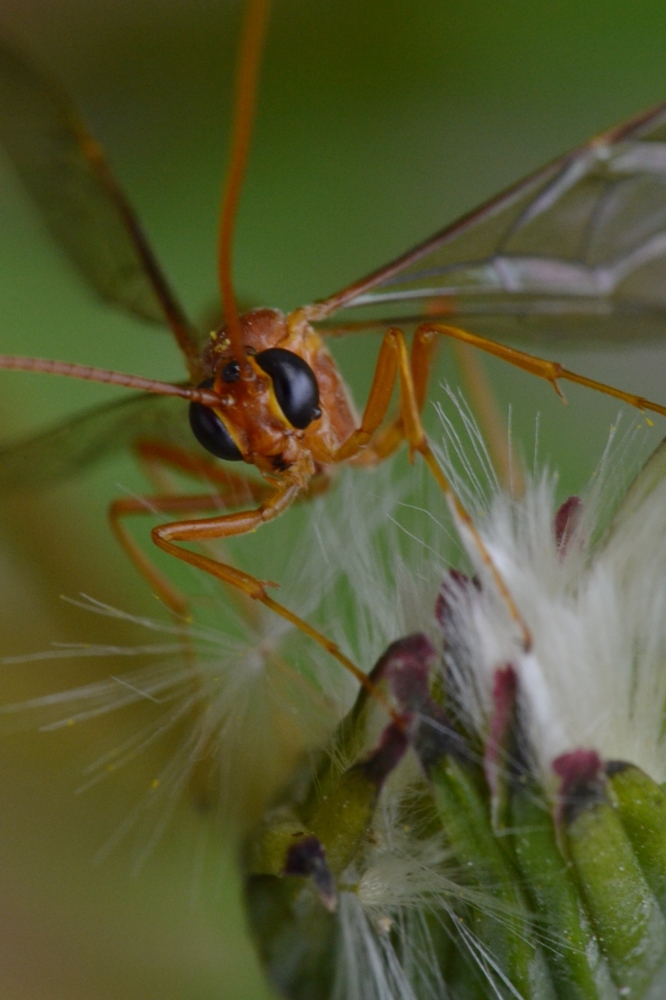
247	81
16	362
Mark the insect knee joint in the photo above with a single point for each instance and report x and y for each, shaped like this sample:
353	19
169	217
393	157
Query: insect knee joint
161	533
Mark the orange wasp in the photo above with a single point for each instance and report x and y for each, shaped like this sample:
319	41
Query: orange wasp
578	248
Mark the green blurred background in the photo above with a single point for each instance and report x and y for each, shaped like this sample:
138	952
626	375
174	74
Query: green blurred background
379	122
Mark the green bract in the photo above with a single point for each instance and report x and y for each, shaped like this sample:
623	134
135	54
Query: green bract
462	849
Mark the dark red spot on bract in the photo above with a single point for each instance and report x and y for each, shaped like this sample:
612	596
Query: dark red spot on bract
582	782
566	522
505	691
406	665
392	746
308	859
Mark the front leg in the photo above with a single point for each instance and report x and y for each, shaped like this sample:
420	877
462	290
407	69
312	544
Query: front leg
394	361
223	526
365	444
550	371
166	536
156	457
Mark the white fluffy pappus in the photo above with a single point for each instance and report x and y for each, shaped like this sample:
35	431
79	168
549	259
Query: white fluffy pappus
595	607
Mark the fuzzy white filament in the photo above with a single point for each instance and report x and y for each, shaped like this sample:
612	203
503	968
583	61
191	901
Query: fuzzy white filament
597	613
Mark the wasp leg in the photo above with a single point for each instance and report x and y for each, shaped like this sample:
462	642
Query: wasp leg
365	445
232	490
157	456
163	504
394	361
388	439
551	371
227	525
233	524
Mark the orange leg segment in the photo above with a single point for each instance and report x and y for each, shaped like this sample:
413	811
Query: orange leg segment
232	490
390	438
383	442
413	378
551	371
226	525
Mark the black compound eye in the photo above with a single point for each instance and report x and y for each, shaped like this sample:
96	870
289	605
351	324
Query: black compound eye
210	432
295	385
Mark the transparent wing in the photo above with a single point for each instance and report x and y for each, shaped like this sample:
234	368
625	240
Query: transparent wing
65	172
69	447
577	249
